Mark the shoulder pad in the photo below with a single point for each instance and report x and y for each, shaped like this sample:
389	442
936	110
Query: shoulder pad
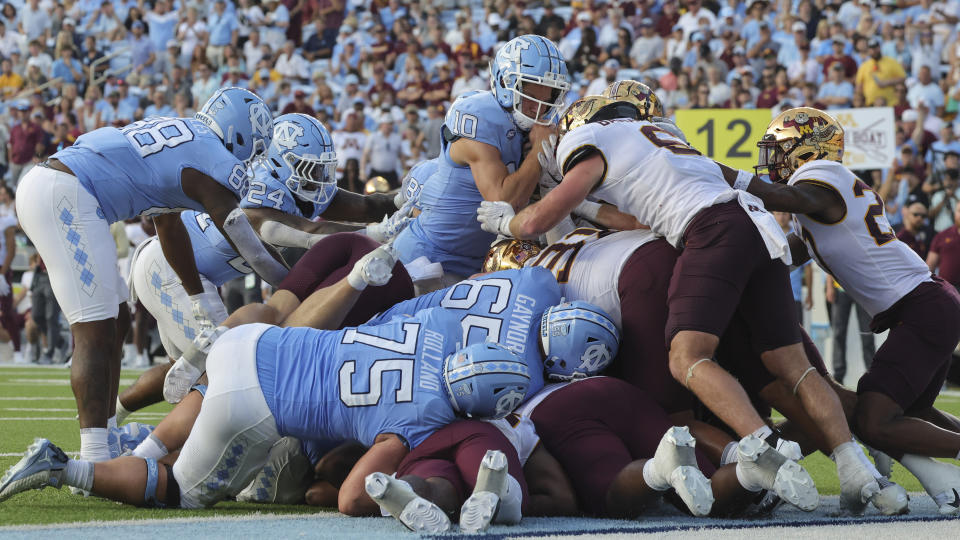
478	116
576	146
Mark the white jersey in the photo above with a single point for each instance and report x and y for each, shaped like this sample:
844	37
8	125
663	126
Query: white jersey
520	432
650	173
587	265
861	250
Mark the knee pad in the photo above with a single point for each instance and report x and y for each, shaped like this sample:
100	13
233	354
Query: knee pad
150	492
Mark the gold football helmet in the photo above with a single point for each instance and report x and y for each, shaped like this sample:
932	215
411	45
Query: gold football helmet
509	254
377	184
637	93
594	108
795	137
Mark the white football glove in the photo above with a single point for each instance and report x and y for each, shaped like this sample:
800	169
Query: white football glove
208	309
547	157
374	268
4	286
391	225
495	216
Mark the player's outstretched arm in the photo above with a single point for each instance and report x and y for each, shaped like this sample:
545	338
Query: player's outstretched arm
350	206
541	216
384	456
283	229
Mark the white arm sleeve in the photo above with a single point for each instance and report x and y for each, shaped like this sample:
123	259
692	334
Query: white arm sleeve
248	244
280	234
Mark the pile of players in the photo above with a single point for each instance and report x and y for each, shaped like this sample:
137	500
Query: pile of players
389	373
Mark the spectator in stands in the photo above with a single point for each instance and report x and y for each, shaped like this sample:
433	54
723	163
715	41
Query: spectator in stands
9	40
45	312
878	76
944	198
141	49
804	69
38	56
720	91
608	77
924	52
204	85
299	104
320	43
837	92
837	55
190	33
158	105
67	67
10	82
223	31
913	123
572	40
915	231
468	80
944	255
34	21
381	155
926	90
291	65
647	50
26	141
162	24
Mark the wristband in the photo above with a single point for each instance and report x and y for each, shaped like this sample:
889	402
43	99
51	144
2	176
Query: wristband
588	210
743	180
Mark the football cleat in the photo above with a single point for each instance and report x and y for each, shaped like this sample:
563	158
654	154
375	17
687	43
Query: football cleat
940	480
43	464
481	507
398	499
761	465
892	499
675	464
857	488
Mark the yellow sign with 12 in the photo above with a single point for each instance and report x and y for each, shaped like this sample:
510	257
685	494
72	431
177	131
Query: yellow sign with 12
729	136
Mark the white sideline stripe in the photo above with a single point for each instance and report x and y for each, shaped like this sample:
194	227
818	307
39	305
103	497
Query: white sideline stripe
94	524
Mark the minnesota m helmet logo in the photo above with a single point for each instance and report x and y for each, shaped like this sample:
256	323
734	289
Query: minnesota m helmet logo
286	134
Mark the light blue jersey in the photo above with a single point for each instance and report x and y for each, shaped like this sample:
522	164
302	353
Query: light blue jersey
447	230
216	260
136	170
268	191
417	177
357	383
504	306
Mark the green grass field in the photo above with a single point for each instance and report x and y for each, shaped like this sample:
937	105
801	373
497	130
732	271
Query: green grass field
38	402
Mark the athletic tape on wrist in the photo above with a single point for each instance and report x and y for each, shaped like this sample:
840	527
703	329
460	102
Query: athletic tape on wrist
743	180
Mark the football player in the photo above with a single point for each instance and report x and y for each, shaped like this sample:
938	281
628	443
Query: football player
290	188
842	225
481	155
729	263
156	167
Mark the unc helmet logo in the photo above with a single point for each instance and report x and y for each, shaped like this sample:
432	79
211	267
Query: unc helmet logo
511	52
286	134
595	358
508	402
261	119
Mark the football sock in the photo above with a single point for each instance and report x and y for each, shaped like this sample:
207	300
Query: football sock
651	478
79	474
729	454
762	432
93	444
510	501
151	447
122	412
